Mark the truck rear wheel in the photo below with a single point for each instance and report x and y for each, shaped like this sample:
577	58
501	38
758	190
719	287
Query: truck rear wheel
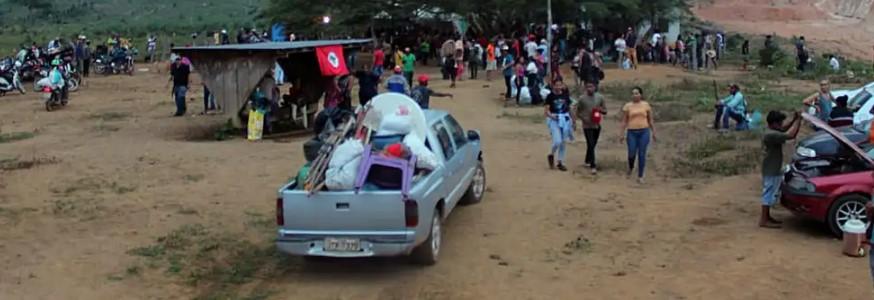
428	252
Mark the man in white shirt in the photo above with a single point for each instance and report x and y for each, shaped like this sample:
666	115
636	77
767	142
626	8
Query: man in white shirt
531	47
620	49
544	49
654	46
834	63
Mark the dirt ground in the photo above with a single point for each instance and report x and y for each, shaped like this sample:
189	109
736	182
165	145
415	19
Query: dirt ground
817	20
114	172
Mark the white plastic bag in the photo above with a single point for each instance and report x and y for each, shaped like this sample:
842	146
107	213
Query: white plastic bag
425	159
513	89
544	92
394	124
525	96
42	83
343	167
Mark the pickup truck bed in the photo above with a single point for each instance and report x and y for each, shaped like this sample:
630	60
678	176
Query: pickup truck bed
384	222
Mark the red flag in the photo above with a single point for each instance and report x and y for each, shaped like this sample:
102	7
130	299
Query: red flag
331	60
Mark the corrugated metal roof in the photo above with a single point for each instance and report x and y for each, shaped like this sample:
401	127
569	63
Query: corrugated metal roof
298	46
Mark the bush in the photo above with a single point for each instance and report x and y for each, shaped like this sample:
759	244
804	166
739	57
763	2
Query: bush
771	56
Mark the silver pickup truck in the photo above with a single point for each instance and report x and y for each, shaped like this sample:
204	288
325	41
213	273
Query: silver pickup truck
384	222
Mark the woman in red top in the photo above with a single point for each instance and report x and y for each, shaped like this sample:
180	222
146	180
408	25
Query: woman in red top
378	61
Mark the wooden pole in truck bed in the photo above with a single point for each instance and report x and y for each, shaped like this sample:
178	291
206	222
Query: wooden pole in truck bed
315	179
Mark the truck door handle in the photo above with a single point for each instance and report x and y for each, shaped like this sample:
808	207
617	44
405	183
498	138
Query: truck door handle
343	206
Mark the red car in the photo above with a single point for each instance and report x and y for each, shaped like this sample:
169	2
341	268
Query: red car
830	189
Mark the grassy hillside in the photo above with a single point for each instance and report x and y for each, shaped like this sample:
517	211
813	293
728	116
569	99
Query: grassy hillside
23	21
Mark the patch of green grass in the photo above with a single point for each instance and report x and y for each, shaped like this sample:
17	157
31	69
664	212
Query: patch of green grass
115	277
121	189
258	220
110	116
226	132
671	112
87	184
133	271
193	177
531	118
709	147
187	211
103	127
15	136
723	155
152	251
217	263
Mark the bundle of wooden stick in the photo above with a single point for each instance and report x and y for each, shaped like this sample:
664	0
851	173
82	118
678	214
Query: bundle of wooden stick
316	178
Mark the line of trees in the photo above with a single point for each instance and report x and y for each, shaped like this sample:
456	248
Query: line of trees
488	16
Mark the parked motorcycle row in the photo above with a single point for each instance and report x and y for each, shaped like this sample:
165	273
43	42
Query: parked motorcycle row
114	62
36	67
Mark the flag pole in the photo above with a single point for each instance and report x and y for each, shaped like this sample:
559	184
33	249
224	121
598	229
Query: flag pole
549	39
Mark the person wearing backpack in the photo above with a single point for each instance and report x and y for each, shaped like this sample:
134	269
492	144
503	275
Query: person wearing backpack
422	93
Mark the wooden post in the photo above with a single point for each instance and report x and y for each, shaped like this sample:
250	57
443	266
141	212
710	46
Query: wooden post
549	39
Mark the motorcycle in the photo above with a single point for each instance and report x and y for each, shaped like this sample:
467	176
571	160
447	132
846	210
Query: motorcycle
10	80
106	65
28	70
71	78
52	98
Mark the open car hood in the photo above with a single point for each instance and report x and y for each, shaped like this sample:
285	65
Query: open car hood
838	136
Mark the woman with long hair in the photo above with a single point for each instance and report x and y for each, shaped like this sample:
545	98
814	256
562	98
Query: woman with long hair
560	121
637	129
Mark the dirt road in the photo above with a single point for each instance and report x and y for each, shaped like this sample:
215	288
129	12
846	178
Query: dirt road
102	201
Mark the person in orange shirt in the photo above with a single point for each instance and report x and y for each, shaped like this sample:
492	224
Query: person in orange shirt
491	61
637	128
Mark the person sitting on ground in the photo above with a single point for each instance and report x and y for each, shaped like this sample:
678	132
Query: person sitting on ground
396	82
841	114
732	107
772	165
422	93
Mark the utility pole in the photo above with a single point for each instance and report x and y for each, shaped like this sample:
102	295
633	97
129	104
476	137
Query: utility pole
549	39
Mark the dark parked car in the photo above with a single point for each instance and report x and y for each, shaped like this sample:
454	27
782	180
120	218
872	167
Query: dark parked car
829	180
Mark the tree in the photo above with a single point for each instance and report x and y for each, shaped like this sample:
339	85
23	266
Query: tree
34	5
486	16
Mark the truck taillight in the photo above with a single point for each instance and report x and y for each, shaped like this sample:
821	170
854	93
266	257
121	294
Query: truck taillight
411	213
280	215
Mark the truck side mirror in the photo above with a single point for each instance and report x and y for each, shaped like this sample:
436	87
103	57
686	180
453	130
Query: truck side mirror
472	135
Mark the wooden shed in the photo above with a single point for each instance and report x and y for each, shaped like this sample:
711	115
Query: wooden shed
231	72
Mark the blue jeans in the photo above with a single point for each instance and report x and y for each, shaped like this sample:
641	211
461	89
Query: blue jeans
179	95
738	118
377	70
561	131
208	100
638	142
770	187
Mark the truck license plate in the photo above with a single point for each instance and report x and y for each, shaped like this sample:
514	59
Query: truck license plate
342	245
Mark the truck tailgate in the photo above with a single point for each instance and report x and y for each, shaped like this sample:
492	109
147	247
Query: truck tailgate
343	211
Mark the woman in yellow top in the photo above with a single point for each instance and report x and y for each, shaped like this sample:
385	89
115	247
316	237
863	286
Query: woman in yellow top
399	56
637	129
